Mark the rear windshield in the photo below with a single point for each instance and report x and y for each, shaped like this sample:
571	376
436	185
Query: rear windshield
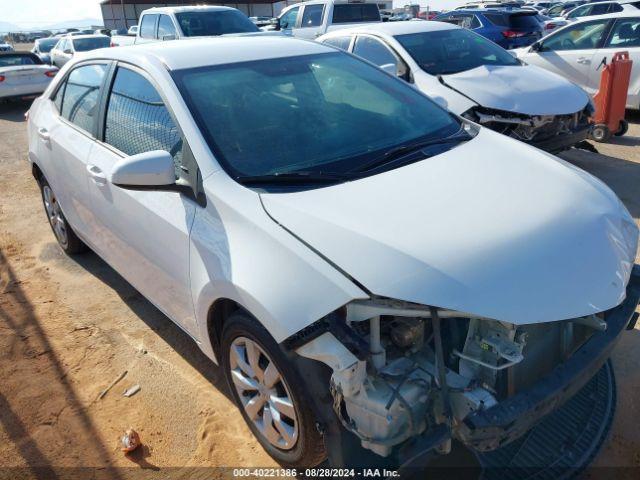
513	20
205	24
19	59
452	51
45	46
356	12
86	44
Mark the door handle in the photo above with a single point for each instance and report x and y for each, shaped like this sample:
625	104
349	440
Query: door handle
44	134
583	60
96	175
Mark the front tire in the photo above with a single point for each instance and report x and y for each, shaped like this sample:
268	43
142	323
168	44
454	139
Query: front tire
66	237
270	394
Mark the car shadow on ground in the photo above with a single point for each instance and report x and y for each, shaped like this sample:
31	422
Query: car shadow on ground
14	110
157	321
18	316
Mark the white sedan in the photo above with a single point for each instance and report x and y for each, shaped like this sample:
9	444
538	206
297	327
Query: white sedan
475	78
23	75
325	232
579	51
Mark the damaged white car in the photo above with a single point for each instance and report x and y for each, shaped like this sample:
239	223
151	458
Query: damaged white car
475	78
362	263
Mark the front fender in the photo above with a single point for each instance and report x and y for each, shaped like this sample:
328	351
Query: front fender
239	253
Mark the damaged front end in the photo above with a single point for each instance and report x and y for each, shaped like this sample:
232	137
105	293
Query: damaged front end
402	372
552	133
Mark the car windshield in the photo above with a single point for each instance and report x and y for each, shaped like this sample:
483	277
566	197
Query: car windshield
220	22
45	46
86	44
323	113
18	59
452	51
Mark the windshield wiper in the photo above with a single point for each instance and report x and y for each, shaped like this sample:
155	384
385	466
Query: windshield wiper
293	178
406	149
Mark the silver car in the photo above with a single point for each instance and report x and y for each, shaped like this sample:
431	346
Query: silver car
23	75
68	46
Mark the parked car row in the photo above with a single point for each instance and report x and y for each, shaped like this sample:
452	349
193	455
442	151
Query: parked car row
383	276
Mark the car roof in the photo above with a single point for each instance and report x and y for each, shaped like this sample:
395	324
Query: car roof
395	28
92	35
188	53
623	14
192	8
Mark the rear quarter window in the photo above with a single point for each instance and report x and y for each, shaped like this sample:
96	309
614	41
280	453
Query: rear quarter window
355	13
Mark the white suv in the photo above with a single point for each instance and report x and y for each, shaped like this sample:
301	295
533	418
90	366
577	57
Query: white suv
362	263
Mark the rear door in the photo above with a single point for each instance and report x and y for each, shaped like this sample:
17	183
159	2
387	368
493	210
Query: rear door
66	135
144	234
147	32
624	36
570	51
311	23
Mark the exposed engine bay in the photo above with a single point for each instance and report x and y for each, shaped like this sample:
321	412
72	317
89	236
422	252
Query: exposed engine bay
534	129
425	366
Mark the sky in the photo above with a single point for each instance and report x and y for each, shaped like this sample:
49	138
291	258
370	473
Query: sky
43	12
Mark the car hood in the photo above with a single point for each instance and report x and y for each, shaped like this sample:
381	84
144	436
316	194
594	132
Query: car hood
525	89
493	227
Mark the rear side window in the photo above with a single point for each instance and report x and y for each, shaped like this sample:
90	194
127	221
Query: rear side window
137	119
625	34
81	96
148	26
312	16
166	27
355	12
522	21
339	42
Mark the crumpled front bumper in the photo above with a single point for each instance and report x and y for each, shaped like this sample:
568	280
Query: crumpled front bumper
564	141
489	429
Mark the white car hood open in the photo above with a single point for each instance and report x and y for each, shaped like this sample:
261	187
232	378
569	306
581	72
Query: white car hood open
492	227
525	89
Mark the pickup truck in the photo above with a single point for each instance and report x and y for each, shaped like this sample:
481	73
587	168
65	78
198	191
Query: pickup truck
177	23
317	17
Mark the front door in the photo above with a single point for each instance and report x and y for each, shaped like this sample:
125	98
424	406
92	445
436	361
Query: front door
570	51
311	23
144	235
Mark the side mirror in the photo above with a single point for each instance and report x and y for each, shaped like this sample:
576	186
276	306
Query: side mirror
276	24
390	68
68	51
145	171
166	38
536	47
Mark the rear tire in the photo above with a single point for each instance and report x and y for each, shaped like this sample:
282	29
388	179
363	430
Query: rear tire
269	393
66	237
623	129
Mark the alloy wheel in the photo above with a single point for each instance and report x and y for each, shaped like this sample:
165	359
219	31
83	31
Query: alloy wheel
54	213
263	392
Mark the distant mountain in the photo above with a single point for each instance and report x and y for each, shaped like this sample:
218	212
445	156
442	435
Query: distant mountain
83	22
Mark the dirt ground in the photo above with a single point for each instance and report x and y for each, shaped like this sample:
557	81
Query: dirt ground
70	326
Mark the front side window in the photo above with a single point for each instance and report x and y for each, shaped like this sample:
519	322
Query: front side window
625	34
312	16
81	96
584	36
355	13
148	26
328	112
339	42
580	12
214	22
452	51
374	51
288	20
137	119
86	44
166	27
